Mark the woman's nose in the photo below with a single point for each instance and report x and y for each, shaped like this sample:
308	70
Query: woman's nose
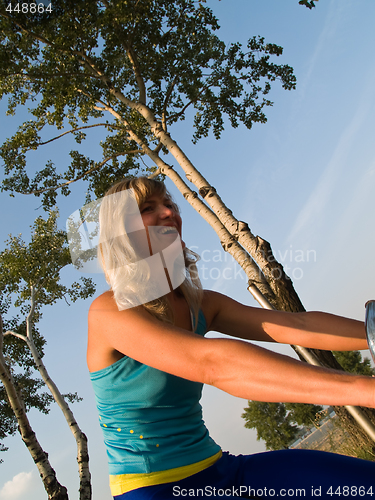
166	212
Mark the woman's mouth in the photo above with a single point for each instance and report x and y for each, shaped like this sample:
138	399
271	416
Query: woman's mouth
167	230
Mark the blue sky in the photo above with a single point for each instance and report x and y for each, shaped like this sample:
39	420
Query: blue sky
305	181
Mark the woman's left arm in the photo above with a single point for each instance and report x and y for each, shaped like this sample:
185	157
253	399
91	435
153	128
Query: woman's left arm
316	330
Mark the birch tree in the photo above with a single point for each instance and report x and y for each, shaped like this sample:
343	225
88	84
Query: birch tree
31	273
133	70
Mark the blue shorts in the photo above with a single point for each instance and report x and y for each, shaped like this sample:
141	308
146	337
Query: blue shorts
282	473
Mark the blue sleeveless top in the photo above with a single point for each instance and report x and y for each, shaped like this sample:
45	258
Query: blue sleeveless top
151	420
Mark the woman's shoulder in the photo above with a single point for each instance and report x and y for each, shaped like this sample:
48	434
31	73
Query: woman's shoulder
108	330
105	300
104	310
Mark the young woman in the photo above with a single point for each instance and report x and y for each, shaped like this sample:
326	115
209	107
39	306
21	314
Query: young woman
148	358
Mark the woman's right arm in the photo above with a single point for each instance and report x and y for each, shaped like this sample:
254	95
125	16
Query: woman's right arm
234	366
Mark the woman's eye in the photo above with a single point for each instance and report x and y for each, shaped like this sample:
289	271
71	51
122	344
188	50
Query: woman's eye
146	209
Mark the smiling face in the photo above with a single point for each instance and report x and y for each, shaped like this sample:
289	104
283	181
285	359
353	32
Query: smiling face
140	247
162	221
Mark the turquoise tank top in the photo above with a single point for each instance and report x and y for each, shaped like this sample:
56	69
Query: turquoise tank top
151	420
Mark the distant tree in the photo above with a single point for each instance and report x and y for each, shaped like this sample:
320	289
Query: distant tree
352	362
304	415
272	424
277	424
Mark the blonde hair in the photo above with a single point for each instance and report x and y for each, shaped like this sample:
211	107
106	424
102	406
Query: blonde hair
125	273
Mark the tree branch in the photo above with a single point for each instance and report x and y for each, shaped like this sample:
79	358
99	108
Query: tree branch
30	316
28	32
15	334
192	101
155	174
164	112
158	148
96	167
33	78
72	132
133	61
138	76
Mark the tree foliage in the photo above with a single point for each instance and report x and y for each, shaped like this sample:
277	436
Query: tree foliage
272	423
304	415
106	64
352	362
310	4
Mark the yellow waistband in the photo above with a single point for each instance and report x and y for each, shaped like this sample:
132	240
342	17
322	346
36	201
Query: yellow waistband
123	483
